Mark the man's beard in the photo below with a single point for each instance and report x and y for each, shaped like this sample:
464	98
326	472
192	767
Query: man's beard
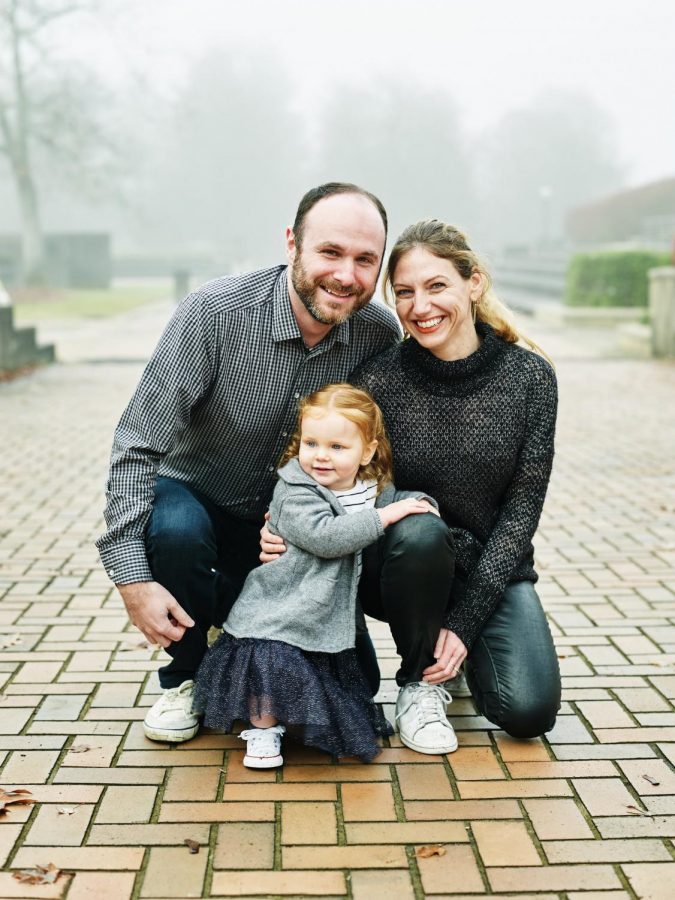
306	289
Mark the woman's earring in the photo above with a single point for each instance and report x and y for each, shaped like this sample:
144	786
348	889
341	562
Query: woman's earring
474	310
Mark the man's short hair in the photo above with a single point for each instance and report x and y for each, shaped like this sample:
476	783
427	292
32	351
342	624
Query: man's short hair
313	196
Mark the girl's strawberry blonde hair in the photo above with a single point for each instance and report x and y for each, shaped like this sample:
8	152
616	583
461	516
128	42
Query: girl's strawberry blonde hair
358	407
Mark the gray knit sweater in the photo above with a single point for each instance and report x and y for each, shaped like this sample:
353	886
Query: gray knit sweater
476	434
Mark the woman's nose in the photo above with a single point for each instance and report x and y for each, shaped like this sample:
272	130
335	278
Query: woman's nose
421	302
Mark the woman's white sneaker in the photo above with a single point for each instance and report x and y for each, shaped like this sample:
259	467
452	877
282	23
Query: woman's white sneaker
171	718
422	723
263	747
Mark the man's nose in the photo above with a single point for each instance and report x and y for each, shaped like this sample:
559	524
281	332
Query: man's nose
344	271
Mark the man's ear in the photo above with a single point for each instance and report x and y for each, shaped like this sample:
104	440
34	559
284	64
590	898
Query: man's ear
291	246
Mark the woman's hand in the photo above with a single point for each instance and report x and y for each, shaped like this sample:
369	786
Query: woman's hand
450	653
271	545
394	512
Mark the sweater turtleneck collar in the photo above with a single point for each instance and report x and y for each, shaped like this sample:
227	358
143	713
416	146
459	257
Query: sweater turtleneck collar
461	374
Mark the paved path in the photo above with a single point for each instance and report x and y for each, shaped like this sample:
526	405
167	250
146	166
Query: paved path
589	812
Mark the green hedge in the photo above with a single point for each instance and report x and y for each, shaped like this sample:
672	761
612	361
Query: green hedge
611	279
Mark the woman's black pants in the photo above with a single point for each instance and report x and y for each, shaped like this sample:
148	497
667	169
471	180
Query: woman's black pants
512	669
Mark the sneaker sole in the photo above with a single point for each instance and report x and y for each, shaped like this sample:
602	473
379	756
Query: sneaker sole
437	751
266	762
170	735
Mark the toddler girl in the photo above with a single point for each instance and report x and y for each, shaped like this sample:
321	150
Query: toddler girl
286	655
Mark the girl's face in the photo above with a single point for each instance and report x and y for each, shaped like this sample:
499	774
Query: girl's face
332	450
433	301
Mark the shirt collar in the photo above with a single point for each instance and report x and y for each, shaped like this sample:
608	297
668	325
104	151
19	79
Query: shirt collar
285	326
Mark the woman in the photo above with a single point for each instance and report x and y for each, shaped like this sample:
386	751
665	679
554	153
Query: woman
471	419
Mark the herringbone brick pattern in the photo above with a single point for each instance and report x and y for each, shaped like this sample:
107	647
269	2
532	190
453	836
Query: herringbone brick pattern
588	812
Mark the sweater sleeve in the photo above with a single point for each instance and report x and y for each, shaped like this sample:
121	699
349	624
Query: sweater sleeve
177	376
307	521
518	515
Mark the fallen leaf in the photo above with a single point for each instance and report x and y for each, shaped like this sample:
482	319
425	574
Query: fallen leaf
431	850
636	811
11	641
66	810
562	655
81	748
7	798
38	875
193	846
651	780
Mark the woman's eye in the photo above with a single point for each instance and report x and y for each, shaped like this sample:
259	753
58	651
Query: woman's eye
403	294
437	286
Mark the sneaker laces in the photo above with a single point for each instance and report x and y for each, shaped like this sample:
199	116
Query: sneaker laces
263	741
430	702
178	698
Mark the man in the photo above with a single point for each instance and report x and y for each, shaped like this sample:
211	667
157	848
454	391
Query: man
194	456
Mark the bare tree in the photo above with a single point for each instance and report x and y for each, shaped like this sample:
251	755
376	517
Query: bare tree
46	112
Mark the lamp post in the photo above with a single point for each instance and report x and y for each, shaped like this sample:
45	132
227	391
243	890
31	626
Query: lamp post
545	194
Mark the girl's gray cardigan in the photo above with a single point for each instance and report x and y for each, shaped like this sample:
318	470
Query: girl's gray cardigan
307	597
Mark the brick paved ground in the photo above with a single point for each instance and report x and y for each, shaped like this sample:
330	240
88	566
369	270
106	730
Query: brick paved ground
551	818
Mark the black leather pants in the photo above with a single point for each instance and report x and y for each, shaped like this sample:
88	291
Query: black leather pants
512	669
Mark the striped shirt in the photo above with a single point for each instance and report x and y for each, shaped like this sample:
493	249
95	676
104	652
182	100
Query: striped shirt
361	496
217	403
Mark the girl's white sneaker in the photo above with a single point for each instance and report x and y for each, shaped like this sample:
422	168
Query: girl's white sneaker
263	747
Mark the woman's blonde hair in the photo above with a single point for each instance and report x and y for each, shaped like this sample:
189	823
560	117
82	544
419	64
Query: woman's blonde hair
447	242
358	407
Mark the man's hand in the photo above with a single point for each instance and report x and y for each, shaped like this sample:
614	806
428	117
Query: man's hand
450	653
271	545
155	612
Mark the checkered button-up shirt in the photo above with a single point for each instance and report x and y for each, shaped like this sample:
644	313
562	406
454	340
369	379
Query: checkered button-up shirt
217	404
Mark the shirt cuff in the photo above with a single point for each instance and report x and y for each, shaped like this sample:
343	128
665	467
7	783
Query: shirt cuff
126	563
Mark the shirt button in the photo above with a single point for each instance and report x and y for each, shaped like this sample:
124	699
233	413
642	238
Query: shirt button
296	395
271	469
284	434
111	572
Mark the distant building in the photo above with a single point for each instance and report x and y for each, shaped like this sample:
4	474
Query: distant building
645	215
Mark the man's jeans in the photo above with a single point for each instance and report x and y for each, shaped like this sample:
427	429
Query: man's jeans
203	555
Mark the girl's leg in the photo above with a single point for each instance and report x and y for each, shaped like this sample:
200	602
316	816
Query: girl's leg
263	721
406	582
513	669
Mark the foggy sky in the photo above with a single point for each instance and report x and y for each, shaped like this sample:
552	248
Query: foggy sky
493	56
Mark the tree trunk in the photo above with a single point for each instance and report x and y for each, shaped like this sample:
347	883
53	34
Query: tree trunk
34	272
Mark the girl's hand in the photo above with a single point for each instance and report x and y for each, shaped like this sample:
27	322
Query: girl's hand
271	545
394	512
450	653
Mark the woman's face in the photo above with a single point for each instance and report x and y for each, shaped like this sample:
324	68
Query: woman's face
433	302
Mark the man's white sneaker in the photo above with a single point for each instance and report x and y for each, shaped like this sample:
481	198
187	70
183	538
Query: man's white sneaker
263	747
171	718
422	723
457	686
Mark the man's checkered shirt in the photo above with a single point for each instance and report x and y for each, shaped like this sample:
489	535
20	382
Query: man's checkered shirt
217	403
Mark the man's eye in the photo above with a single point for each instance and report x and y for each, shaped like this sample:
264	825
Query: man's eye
330	253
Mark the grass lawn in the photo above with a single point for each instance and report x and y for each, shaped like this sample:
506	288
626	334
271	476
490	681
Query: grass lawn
35	306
